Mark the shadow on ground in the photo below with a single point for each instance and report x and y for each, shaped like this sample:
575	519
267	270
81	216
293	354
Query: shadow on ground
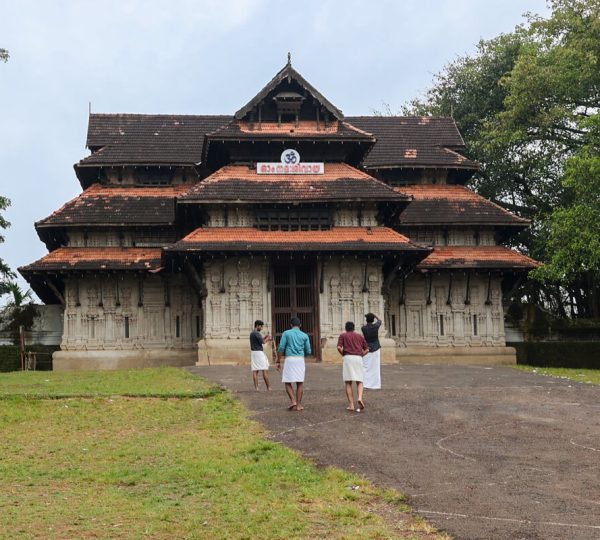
483	453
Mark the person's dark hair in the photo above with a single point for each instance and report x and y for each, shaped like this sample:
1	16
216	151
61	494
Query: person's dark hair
370	317
295	321
258	322
349	326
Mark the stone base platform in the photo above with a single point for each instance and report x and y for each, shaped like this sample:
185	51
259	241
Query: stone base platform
130	359
456	355
236	352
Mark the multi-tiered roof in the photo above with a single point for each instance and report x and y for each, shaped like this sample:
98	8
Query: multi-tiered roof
187	163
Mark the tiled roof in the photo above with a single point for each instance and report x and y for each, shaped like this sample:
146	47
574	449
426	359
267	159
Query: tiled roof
114	205
436	204
305	129
483	257
97	258
130	139
139	139
335	239
413	141
340	182
283	76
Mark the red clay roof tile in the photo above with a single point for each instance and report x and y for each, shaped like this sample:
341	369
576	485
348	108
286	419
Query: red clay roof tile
337	238
305	128
484	257
438	204
115	205
340	182
97	258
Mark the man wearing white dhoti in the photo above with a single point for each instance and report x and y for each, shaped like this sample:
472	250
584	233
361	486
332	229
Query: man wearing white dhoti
372	360
258	358
294	346
352	346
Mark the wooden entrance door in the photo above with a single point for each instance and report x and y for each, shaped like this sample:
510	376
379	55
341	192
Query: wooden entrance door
294	294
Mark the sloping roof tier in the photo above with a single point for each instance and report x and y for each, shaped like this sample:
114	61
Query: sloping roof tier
91	258
340	239
143	139
241	183
413	141
476	257
115	205
140	139
439	204
289	73
238	129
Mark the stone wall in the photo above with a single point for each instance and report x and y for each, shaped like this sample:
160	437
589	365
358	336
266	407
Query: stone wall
116	320
347	296
351	288
236	295
414	322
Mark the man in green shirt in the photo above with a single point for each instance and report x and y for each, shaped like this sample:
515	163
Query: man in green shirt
294	346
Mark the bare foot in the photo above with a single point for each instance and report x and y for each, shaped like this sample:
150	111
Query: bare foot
361	405
350	408
299	408
292	407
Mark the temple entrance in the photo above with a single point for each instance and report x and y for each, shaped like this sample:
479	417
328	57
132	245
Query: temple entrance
294	294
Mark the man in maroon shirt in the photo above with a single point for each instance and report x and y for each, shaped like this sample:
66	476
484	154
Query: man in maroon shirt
352	346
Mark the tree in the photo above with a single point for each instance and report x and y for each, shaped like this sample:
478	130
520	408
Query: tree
527	105
4	56
6	274
574	231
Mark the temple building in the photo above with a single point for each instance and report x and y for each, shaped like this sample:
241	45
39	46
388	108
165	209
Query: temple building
190	227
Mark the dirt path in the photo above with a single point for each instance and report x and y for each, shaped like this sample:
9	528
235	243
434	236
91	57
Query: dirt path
483	453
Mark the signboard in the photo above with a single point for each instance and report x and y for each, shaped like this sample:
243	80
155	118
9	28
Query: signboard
290	164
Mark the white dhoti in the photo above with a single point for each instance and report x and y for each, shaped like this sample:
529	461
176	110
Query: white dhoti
293	369
371	366
258	361
352	369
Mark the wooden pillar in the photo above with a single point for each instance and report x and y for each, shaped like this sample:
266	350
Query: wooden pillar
468	291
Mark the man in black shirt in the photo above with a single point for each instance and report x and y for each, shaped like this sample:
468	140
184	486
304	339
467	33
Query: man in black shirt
258	358
372	360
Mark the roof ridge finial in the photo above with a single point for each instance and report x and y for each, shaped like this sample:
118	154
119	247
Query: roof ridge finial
288	68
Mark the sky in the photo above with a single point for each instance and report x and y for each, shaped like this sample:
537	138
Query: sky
201	57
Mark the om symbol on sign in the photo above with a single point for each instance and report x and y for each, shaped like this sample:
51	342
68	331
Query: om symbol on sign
290	157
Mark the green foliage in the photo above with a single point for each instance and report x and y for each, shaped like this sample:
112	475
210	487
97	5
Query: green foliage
574	235
6	274
588	376
4	56
527	105
559	354
10	360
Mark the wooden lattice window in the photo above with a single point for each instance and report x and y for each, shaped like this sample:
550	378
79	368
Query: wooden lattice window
154	177
311	219
150	237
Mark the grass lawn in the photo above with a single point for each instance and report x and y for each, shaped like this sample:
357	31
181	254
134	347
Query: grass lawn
590	376
158	453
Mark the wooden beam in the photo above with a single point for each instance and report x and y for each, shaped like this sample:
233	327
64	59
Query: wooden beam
56	292
194	279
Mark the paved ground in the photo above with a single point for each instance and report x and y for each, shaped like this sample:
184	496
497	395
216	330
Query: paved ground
483	453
